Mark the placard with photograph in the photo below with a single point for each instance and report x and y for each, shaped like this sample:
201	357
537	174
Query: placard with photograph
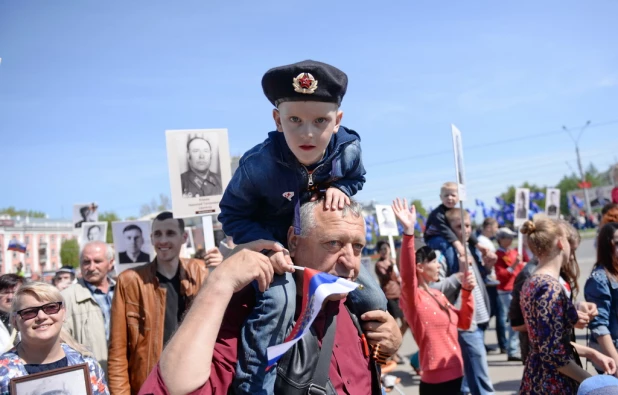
552	202
387	224
93	231
522	205
199	168
70	380
86	212
132	244
459	163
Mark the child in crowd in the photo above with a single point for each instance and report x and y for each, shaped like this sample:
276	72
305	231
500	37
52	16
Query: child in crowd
433	319
508	266
309	153
439	235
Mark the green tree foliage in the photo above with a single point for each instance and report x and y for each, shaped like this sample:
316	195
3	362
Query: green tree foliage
69	253
13	212
162	205
109	217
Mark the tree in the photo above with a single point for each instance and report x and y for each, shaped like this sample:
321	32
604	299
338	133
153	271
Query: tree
69	253
12	212
109	217
163	205
570	183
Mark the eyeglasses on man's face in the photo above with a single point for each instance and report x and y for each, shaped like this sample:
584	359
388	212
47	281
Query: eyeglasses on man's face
31	312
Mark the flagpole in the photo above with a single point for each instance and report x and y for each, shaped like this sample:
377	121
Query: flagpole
463	236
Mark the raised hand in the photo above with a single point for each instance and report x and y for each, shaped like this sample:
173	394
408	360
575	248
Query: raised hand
406	216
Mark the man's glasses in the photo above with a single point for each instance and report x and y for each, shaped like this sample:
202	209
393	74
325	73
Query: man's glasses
31	312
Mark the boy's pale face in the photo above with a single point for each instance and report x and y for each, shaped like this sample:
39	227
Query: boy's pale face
505	242
449	197
307	127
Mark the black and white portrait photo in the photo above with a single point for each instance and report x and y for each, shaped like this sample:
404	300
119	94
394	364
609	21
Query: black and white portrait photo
132	243
600	196
70	380
93	231
84	213
522	205
552	202
387	223
200	168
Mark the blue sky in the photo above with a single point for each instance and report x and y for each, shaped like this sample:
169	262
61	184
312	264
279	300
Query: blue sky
87	89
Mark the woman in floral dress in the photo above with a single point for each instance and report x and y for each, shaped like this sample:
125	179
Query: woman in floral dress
550	316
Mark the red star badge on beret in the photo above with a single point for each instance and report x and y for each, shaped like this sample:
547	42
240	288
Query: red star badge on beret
305	83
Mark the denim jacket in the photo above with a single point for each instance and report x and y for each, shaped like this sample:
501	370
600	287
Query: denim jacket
603	291
266	190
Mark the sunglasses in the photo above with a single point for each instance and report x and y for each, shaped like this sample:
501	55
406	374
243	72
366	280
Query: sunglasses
31	312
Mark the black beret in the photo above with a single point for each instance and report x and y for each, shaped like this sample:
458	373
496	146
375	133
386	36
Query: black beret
305	81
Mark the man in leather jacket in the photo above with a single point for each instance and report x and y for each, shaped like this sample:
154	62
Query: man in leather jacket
201	357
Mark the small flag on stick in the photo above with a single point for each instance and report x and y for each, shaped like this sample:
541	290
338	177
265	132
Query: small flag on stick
317	286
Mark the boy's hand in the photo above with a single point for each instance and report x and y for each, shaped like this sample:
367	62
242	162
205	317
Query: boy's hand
335	199
281	261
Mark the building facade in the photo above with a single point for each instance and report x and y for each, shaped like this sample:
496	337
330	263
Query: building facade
42	237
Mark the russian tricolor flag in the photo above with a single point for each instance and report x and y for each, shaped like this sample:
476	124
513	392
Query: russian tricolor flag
15	245
317	286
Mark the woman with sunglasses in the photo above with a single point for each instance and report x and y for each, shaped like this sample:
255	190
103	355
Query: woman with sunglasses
434	321
38	314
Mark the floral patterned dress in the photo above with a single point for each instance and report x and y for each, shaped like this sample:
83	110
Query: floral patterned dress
550	316
11	366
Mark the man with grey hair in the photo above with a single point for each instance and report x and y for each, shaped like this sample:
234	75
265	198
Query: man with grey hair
88	302
334	357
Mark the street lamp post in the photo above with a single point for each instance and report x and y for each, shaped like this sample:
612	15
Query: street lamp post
579	161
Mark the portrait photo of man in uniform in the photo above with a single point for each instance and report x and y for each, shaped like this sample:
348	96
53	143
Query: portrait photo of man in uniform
133	238
200	179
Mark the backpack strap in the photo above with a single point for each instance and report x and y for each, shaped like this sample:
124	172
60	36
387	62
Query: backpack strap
321	373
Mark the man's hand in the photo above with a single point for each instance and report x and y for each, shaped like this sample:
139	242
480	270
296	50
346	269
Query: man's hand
489	260
213	257
380	327
335	199
469	280
483	249
246	265
281	261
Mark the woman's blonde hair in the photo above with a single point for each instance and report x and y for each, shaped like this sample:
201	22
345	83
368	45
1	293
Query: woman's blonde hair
47	293
570	270
541	234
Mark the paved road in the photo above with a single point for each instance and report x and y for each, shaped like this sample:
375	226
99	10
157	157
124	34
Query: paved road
506	376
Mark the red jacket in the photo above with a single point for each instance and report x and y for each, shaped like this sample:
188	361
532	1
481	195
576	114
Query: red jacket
505	271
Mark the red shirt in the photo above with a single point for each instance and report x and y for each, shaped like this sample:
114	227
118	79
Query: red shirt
347	376
434	330
505	271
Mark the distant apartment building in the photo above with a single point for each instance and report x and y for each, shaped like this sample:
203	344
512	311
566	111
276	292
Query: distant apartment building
42	238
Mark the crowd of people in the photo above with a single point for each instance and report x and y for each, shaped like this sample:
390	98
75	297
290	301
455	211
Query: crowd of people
204	325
